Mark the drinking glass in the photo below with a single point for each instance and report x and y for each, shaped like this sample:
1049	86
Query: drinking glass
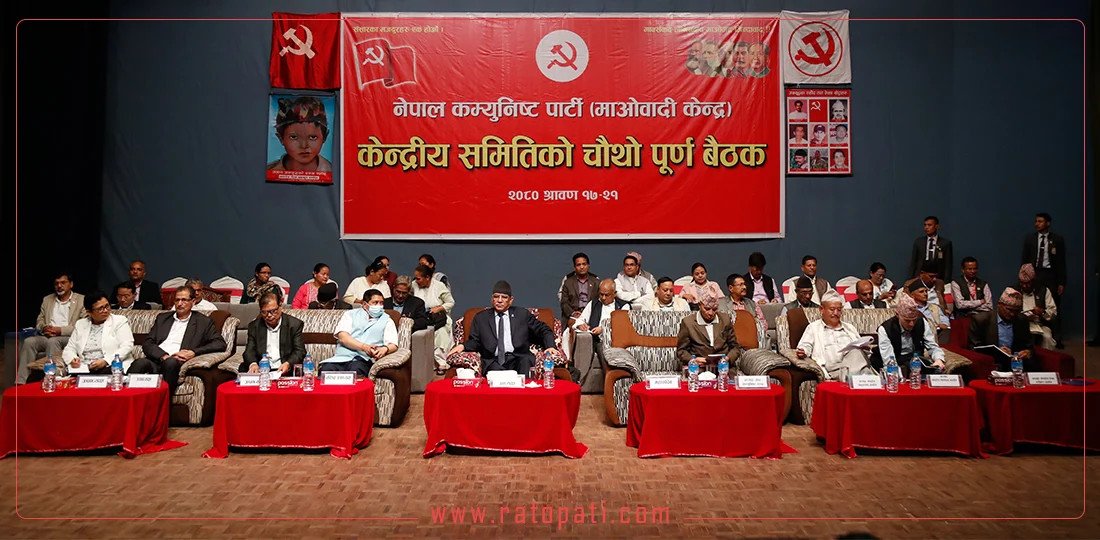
296	371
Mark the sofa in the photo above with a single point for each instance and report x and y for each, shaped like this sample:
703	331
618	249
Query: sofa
472	360
1056	361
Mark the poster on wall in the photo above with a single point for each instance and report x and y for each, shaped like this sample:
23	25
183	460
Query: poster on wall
819	131
816	48
298	147
533	126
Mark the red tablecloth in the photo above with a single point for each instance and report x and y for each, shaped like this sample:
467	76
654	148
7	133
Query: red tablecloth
337	417
936	419
736	423
530	420
1039	414
74	419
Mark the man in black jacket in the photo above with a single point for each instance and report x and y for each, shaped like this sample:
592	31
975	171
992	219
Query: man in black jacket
931	247
273	327
865	296
144	289
1046	250
177	337
503	336
127	300
1006	330
405	303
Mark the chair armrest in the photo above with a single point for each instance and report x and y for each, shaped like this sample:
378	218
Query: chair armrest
203	361
467	359
233	363
619	358
806	364
422	346
393	360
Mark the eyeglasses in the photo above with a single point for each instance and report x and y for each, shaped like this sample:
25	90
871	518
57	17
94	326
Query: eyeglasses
178	300
102	309
269	312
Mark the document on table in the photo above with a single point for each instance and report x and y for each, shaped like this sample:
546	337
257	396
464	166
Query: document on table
82	368
994	350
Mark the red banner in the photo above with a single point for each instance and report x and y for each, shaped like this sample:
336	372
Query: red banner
530	126
305	51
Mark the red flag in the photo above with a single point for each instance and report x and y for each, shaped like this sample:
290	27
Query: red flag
305	52
377	60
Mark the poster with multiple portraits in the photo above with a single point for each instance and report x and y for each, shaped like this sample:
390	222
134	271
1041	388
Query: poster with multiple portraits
819	131
300	126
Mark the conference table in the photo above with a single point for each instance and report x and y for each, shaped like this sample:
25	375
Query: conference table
928	419
337	417
1053	415
522	420
74	419
735	423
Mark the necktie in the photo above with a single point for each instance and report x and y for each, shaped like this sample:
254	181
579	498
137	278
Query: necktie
1040	256
500	338
931	249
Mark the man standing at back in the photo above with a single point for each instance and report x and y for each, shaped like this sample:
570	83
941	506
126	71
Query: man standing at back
1046	251
577	289
144	290
503	335
931	247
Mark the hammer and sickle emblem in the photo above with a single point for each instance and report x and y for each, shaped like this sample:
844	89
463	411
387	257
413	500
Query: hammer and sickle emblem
822	56
305	48
373	55
566	61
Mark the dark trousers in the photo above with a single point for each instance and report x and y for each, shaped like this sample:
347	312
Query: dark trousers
169	368
361	366
1048	279
520	362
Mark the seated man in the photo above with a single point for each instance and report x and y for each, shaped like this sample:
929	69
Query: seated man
406	304
56	317
825	337
1039	308
503	336
932	313
762	288
970	293
936	287
738	300
803	294
819	285
127	300
1004	329
865	296
597	314
177	337
707	332
664	298
577	289
630	285
94	343
328	298
145	290
201	304
363	336
642	271
883	287
904	336
275	333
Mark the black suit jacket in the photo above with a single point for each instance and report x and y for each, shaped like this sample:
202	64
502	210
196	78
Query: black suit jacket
944	265
292	348
201	336
414	309
526	330
150	292
137	305
1056	250
855	304
983	331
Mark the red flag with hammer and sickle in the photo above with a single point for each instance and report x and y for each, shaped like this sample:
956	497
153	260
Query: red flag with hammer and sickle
305	51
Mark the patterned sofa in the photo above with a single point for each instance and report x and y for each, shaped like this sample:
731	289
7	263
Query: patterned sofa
193	402
472	360
392	376
806	373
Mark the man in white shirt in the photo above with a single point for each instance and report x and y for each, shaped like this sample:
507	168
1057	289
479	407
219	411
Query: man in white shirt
630	285
275	333
1039	306
664	298
906	335
56	318
176	337
826	337
201	304
363	336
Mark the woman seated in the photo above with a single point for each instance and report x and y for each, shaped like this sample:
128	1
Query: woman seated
308	291
95	341
260	285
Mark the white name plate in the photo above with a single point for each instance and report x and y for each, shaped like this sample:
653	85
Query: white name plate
662	382
1043	378
752	382
338	378
248	379
865	382
93	381
506	382
945	381
144	380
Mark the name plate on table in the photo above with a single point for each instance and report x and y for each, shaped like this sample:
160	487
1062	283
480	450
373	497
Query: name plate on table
945	381
338	378
506	382
865	382
1043	378
146	380
93	381
752	382
248	379
662	382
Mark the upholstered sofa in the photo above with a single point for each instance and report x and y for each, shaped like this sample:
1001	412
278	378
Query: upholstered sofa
472	360
1056	361
392	376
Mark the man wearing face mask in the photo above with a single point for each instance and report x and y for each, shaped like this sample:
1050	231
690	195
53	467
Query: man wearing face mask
363	337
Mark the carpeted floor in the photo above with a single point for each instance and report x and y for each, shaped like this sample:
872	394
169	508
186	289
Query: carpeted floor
389	490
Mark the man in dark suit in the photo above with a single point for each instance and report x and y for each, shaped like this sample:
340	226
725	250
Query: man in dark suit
865	296
127	300
707	332
273	326
1046	251
931	247
503	335
145	290
405	303
177	337
1004	329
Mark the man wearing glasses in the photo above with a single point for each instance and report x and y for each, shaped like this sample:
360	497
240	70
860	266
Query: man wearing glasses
275	333
177	337
56	317
95	341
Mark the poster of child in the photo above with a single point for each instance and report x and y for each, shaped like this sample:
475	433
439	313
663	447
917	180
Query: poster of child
299	128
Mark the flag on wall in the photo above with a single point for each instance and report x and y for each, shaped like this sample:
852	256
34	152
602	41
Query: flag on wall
305	51
815	47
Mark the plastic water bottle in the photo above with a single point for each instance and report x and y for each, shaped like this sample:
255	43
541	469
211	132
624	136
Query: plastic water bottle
116	374
693	377
723	374
307	373
1017	371
49	381
547	373
914	373
265	373
893	376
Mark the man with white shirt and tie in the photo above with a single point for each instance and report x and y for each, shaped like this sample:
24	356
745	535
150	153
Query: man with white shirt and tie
931	247
1046	251
275	333
503	336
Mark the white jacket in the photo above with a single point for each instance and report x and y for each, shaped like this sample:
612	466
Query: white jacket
117	339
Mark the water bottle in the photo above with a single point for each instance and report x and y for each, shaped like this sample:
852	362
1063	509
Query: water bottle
723	374
116	374
548	373
307	373
693	377
265	373
893	376
49	381
1017	371
914	373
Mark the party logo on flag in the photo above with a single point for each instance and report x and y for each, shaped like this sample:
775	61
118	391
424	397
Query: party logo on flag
377	60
